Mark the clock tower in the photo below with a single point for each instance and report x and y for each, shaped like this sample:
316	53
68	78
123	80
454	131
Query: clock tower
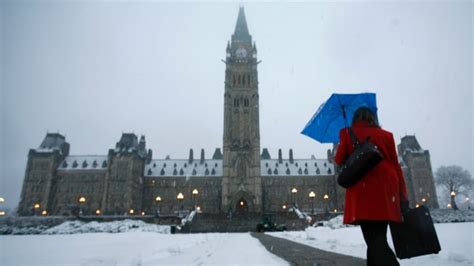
241	184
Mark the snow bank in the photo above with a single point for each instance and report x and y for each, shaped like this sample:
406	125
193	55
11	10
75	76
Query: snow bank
78	227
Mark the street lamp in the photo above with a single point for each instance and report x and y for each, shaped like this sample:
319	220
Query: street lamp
97	211
294	191
180	198
195	193
131	211
36	208
326	197
158	201
423	200
82	200
453	202
312	195
2	199
44	213
468	203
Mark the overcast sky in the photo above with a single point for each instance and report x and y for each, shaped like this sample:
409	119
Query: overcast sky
94	70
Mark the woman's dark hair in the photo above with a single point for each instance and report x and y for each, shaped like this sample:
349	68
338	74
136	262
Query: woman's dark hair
365	114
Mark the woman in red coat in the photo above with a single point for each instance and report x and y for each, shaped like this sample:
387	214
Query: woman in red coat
378	197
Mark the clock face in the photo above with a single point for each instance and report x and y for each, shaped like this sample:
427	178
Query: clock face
241	52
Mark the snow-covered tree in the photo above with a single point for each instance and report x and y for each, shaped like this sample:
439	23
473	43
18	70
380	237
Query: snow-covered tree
456	180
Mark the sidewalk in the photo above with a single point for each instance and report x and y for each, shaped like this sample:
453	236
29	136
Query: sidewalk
299	254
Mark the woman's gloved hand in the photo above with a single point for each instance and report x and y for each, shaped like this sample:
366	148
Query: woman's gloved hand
404	206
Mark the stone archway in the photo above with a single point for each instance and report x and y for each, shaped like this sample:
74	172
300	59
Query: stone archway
242	202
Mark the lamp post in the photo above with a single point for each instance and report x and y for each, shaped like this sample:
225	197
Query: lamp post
82	200
312	195
293	192
453	202
180	198
36	208
195	193
158	205
2	212
326	198
468	203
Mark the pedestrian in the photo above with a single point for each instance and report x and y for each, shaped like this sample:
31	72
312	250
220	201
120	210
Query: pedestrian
380	196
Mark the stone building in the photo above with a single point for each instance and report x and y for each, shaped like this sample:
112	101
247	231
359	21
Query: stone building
242	178
416	166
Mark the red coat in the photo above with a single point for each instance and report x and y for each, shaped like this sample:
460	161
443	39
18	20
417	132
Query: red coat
377	195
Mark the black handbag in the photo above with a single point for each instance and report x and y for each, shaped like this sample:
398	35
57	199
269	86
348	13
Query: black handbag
363	159
416	236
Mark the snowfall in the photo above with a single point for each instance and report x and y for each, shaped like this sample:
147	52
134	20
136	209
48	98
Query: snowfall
137	243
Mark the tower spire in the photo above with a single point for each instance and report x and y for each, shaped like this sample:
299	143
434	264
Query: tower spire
241	31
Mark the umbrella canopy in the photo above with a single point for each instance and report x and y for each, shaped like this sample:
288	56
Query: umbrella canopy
335	114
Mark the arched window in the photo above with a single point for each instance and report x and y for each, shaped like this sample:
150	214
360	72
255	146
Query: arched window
233	80
236	102
243	79
248	80
239	80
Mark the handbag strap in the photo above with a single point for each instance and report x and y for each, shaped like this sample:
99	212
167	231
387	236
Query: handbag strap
355	141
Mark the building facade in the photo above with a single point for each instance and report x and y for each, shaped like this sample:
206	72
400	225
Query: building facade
242	178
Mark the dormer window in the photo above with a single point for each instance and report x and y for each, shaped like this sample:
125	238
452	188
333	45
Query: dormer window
181	172
213	172
74	164
162	172
64	164
94	164
149	172
104	164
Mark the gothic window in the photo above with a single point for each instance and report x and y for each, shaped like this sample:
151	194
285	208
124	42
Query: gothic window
162	172
248	80
243	79
206	172
174	165
181	172
306	171
64	164
317	171
239	80
288	171
305	164
266	164
246	102
325	164
74	164
194	171
236	102
175	172
185	165
275	171
94	164
315	164
213	172
164	165
286	164
149	171
296	164
215	165
329	171
154	165
104	164
269	171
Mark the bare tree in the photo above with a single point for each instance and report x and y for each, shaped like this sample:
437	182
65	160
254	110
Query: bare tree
455	179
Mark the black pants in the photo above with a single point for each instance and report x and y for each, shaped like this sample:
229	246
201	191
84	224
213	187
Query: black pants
378	251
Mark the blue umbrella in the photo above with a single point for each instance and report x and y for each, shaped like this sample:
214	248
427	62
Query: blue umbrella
335	114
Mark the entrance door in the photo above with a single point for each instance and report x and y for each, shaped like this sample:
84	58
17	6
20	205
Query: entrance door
241	206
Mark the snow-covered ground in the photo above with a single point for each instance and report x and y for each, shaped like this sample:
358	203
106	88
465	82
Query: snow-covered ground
456	239
135	248
137	243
